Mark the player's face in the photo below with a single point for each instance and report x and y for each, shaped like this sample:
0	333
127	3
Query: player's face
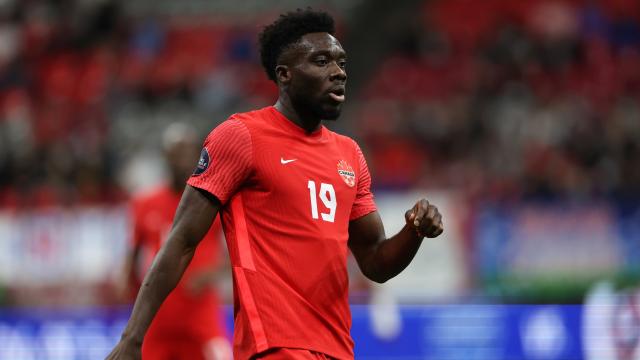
180	158
318	76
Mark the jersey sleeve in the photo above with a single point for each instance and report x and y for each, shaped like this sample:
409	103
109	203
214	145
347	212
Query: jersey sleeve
226	160
364	203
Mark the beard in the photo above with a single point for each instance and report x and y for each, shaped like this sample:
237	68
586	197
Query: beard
316	108
332	113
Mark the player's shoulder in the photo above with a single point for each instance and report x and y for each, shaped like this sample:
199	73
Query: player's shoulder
253	115
344	141
254	118
238	124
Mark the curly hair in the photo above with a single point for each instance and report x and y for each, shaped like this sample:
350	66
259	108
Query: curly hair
287	30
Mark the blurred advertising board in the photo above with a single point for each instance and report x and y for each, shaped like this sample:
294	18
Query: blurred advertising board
61	255
469	332
58	245
553	252
611	328
72	334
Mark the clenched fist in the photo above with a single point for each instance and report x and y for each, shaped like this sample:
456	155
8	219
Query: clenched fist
425	218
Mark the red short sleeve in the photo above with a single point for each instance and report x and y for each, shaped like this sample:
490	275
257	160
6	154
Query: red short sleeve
364	203
226	160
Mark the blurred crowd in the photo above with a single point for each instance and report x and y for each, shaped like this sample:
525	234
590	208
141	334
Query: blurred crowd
511	100
83	87
496	98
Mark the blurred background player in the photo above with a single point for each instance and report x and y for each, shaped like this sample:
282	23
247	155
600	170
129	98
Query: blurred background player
189	325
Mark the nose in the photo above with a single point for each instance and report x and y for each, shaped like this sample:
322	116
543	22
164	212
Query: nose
337	73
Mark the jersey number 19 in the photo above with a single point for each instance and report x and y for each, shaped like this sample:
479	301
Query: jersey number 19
328	196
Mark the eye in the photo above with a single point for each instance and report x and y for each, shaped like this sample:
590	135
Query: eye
342	63
321	61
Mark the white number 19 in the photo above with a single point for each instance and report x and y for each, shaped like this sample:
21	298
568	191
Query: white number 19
328	197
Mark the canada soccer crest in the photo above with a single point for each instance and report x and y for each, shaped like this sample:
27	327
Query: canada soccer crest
346	173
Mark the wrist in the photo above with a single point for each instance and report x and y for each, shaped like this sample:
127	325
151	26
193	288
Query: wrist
414	231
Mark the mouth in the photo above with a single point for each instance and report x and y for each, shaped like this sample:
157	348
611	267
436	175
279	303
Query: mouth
337	94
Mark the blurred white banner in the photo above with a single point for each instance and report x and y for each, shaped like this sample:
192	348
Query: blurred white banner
61	246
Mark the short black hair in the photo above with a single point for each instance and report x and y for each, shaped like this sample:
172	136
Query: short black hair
287	30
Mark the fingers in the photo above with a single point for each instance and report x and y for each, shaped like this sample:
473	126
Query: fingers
410	215
436	227
426	219
420	208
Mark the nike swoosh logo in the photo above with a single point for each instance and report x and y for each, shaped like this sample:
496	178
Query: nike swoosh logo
283	161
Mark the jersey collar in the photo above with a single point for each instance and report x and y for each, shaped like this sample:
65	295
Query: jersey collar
291	126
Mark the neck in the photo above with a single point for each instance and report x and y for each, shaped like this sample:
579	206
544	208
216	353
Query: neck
304	120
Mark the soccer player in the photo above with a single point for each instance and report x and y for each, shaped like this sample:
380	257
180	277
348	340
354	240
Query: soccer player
294	197
189	324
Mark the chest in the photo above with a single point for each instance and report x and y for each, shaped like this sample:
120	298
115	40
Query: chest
317	178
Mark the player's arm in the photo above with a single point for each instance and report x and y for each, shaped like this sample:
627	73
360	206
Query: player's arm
379	258
212	276
193	219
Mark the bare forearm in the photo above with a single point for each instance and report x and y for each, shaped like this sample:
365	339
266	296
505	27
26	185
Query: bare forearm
393	255
161	279
379	258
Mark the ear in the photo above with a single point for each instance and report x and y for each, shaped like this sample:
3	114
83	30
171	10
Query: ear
283	74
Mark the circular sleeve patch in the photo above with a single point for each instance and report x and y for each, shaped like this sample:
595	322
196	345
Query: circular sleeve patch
203	163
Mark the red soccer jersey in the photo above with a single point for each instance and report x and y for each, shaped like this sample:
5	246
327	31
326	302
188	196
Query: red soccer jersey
184	313
287	197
